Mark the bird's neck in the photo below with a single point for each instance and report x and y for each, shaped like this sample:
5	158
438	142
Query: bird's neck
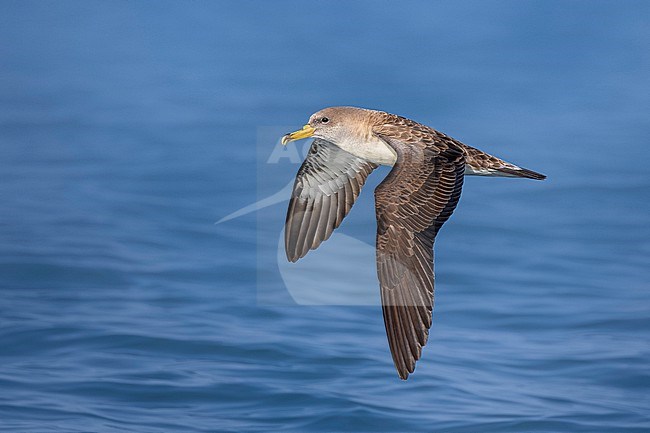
368	147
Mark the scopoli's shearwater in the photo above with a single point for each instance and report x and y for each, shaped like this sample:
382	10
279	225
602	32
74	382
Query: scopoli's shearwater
412	203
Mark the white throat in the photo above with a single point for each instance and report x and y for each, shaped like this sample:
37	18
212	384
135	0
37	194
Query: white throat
374	150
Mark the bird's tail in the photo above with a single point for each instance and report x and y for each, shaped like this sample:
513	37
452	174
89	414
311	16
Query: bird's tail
482	164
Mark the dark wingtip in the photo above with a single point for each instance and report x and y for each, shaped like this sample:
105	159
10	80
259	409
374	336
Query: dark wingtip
294	253
293	257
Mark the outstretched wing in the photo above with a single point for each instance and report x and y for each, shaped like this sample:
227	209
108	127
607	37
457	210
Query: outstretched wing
412	203
326	187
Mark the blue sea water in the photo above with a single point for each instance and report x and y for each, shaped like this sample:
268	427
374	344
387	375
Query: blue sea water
129	129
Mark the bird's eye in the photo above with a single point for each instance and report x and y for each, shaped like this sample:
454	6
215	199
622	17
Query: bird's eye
325	120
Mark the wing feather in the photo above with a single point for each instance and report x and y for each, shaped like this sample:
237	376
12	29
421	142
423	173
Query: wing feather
327	185
412	203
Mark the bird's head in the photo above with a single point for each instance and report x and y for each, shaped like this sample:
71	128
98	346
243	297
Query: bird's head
331	124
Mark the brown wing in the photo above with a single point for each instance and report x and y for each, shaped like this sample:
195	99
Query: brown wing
326	187
412	203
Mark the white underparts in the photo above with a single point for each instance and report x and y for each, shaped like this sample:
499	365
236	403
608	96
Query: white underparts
374	150
377	151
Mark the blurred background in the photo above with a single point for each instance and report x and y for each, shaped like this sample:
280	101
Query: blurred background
127	129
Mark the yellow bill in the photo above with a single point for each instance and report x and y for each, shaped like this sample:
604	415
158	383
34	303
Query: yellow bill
306	132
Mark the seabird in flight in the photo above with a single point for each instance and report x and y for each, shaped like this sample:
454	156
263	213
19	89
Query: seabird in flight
411	203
